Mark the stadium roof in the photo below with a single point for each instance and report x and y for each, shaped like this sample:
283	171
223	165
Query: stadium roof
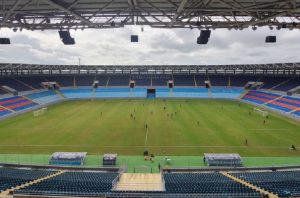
290	69
80	14
10	66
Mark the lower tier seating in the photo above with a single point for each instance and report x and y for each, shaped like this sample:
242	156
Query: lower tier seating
10	178
4	112
17	103
205	184
282	183
73	183
44	97
285	104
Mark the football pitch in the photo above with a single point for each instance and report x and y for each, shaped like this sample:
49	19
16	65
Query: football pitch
164	127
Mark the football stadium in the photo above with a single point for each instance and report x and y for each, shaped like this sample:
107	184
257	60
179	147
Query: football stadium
217	130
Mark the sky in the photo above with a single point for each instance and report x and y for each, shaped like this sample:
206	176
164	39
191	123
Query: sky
155	47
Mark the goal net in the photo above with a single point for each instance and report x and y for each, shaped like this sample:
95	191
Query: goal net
261	112
40	112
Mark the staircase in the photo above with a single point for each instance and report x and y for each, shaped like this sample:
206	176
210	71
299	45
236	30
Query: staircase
243	94
273	100
107	82
249	185
140	182
74	81
58	92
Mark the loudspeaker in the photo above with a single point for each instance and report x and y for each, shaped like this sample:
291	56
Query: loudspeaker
204	37
66	37
170	84
271	39
4	41
134	38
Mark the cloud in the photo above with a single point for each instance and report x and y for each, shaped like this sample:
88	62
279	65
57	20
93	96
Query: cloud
156	46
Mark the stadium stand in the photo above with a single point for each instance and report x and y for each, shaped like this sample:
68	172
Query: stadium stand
34	82
141	80
44	97
260	97
2	92
14	84
241	81
209	184
219	81
73	183
17	103
102	80
184	80
278	102
4	112
77	93
200	80
282	183
223	86
289	85
84	80
10	177
161	80
63	81
270	82
119	81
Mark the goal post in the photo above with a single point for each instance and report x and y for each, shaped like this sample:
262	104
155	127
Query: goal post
40	112
261	112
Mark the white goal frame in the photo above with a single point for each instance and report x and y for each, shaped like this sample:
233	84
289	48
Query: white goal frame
261	112
40	112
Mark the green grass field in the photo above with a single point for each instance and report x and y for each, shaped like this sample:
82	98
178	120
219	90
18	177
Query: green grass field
78	126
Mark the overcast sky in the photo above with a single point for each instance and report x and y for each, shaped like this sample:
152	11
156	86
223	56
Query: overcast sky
156	46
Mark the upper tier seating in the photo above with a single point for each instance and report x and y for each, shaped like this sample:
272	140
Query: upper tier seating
118	81
289	85
161	80
2	92
200	80
241	81
16	103
34	82
14	84
63	81
184	80
27	83
270	82
210	184
219	81
282	183
73	183
102	80
141	80
84	80
10	177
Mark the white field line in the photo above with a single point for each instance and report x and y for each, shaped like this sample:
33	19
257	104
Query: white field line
141	146
147	131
